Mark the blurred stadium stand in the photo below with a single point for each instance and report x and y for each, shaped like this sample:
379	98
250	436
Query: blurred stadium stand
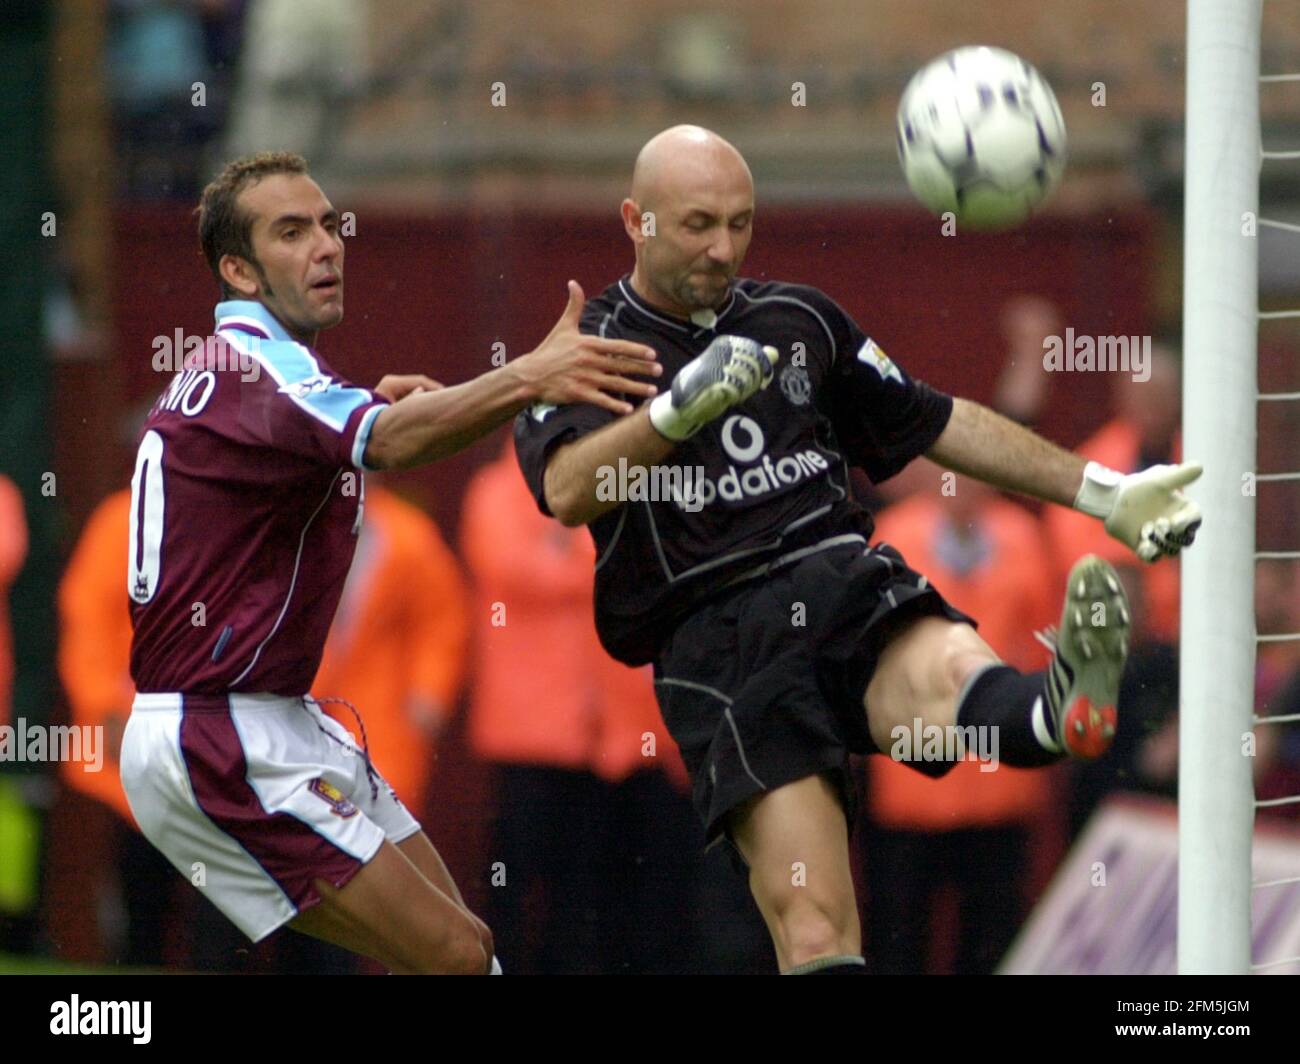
410	85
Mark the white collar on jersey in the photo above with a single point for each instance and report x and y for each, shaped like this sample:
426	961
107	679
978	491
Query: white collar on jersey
248	315
703	319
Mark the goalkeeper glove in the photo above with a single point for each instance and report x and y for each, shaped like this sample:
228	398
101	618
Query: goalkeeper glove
727	372
1143	510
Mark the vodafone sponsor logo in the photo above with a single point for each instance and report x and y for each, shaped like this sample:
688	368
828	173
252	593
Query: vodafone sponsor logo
743	440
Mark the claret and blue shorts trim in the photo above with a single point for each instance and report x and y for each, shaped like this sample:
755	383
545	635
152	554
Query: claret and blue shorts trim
253	798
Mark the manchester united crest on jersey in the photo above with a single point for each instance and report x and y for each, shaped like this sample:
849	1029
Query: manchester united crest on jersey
796	385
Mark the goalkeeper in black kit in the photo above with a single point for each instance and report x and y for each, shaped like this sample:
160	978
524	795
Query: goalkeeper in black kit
782	639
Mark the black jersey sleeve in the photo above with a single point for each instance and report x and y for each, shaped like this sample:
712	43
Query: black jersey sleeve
542	427
882	417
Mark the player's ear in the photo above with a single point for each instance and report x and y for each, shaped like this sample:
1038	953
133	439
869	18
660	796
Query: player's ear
239	275
636	221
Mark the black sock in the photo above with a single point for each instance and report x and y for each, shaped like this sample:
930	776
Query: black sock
1004	698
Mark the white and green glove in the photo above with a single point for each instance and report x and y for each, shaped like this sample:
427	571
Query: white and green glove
1144	510
727	372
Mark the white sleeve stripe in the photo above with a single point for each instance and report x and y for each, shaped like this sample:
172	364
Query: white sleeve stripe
363	437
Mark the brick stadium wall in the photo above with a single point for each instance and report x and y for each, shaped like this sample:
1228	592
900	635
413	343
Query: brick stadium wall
1136	49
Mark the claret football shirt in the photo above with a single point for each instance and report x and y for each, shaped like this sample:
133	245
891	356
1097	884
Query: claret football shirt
246	501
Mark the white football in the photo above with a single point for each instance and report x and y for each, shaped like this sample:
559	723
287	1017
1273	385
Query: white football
980	134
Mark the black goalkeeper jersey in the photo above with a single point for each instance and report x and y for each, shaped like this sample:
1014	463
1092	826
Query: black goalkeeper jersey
774	468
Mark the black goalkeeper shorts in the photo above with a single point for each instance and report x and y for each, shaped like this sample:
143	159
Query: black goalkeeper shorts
763	684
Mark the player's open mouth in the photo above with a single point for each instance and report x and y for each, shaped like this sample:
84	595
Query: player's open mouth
328	284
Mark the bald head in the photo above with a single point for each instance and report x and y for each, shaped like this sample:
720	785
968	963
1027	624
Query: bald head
682	157
689	215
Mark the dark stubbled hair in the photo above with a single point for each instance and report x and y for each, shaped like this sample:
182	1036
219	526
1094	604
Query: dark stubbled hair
223	228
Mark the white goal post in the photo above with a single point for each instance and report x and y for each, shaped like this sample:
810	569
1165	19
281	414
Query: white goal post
1217	660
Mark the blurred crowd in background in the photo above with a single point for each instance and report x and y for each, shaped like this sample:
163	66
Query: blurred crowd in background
420	97
468	635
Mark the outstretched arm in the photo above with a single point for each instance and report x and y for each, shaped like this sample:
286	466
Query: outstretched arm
567	367
572	472
1144	510
987	446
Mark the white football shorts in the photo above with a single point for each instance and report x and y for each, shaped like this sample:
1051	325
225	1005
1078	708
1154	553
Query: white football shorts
255	797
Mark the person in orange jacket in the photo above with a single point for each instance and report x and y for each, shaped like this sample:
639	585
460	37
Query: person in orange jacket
590	807
397	648
969	829
95	643
93	657
19	827
13	552
1144	432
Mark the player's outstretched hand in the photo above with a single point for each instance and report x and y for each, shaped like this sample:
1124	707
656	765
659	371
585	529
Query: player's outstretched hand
1145	510
727	372
568	367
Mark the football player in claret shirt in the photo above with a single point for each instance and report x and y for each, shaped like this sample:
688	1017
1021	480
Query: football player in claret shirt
246	502
730	552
